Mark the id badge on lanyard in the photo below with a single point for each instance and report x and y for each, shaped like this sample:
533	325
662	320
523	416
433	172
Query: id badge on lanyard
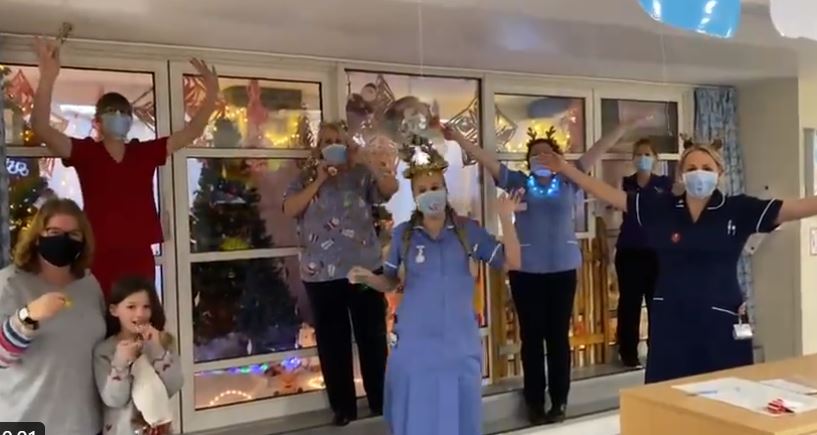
742	331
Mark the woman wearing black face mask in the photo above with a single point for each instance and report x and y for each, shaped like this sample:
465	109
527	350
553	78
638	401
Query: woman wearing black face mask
51	311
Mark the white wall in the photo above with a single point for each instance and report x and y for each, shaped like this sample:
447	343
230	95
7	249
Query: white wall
769	131
808	263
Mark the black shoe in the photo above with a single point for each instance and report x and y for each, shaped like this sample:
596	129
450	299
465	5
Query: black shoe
536	414
555	415
341	420
631	362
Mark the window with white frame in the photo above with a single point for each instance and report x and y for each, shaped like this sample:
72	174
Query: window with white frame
34	173
252	337
516	117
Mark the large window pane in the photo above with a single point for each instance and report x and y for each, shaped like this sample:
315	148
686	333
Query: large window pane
257	113
75	94
72	112
515	114
236	204
580	210
662	129
248	307
458	104
278	378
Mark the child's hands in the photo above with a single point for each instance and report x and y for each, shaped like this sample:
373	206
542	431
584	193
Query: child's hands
150	334
127	351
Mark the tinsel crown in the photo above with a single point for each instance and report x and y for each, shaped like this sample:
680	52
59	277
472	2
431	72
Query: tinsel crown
421	157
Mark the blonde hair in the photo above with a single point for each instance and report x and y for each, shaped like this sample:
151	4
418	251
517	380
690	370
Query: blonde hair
711	149
25	250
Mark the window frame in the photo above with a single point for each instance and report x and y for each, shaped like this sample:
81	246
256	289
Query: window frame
208	418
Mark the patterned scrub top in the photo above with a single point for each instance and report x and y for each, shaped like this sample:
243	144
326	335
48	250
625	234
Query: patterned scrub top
337	228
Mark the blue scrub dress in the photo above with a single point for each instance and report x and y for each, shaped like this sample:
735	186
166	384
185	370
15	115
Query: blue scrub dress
434	372
697	295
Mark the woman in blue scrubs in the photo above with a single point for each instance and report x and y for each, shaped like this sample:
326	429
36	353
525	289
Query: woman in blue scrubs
544	288
699	236
434	373
636	262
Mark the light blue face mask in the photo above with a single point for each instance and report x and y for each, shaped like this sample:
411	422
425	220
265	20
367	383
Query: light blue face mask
540	170
644	163
700	183
432	202
334	154
116	125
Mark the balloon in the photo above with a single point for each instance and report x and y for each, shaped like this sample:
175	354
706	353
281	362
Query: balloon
794	18
719	18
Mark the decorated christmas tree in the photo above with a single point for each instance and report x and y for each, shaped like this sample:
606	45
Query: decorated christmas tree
27	189
246	302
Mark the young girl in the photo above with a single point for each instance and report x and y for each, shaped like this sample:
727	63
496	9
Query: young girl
136	369
433	379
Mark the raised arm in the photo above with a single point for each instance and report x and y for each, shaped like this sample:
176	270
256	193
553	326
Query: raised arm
48	53
603	145
796	209
598	188
195	128
486	158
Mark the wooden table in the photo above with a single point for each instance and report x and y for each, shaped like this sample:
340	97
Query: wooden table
659	409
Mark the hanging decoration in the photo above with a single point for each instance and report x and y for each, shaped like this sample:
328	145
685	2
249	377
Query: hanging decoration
18	91
467	123
718	18
145	111
256	115
794	18
505	128
304	137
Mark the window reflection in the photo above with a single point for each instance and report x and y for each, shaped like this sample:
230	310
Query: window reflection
662	129
370	95
515	114
236	204
248	307
257	113
280	377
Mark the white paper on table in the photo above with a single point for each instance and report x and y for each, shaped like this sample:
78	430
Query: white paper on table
790	386
750	395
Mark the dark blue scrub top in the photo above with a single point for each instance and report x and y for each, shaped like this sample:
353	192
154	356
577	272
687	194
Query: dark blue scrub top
698	260
631	235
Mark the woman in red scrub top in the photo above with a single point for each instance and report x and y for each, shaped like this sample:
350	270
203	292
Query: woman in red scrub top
116	175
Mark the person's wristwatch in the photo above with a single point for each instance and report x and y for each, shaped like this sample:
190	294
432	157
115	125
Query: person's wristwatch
24	317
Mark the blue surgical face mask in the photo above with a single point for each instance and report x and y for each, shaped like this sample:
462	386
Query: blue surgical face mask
644	163
700	183
116	125
334	154
432	202
540	170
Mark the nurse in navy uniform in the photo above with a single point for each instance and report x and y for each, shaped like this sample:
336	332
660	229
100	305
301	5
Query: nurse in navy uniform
699	236
636	262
